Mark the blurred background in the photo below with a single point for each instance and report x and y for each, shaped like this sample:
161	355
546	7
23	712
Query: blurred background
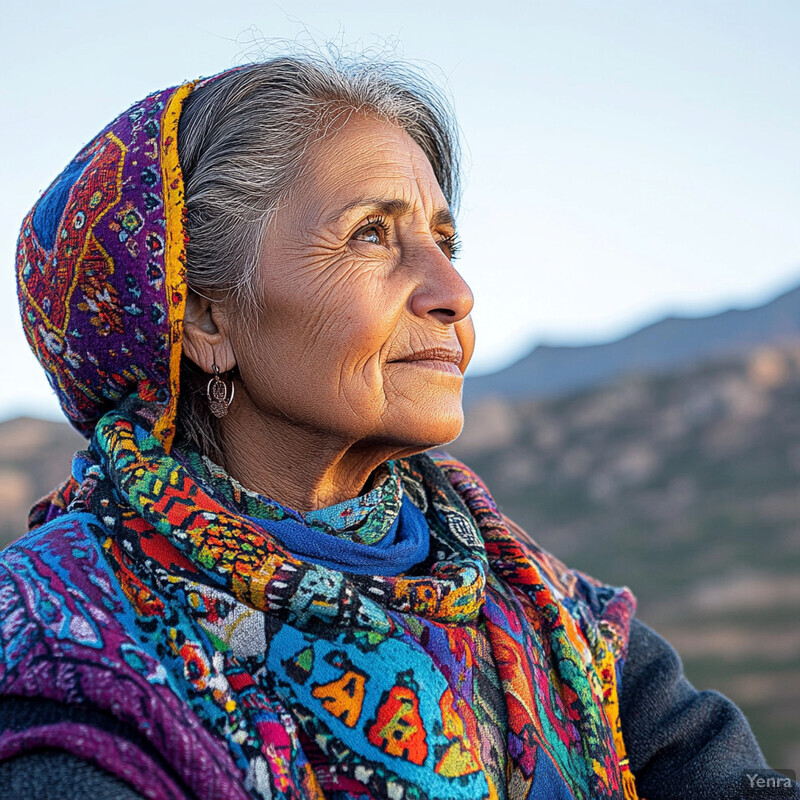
631	228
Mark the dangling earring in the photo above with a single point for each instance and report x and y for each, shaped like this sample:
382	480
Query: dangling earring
217	393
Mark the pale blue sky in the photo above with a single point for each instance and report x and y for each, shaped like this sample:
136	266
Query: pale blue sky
624	158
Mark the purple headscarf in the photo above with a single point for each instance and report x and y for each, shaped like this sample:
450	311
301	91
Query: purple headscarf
101	268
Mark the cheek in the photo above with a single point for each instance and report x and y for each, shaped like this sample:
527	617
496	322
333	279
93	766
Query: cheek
331	334
357	321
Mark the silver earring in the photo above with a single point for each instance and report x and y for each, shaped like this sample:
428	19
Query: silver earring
217	393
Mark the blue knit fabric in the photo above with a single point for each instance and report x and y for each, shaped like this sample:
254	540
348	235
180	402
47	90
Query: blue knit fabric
405	544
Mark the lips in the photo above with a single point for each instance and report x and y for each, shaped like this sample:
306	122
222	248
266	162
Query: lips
439	357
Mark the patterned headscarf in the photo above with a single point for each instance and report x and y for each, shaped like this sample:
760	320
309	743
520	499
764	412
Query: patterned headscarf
101	268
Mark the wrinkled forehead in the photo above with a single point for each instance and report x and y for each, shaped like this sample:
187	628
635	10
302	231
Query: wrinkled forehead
367	160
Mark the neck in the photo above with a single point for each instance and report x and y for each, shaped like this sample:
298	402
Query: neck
299	467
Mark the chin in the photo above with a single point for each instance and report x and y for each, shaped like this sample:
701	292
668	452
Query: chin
429	430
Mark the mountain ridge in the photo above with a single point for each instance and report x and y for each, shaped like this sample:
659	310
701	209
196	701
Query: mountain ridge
671	342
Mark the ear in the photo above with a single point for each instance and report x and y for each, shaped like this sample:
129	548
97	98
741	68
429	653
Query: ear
206	334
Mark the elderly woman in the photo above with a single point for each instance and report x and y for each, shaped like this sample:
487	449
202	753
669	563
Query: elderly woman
258	581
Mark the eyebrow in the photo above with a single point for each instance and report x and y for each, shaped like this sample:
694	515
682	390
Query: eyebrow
394	208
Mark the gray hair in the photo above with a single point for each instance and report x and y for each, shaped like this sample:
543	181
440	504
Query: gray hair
242	141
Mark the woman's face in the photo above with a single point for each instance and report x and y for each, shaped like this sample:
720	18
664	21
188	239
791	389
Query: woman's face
363	331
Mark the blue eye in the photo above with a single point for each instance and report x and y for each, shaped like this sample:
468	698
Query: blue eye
370	235
375	231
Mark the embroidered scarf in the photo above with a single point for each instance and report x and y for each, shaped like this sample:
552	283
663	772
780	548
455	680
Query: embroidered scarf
491	671
377	533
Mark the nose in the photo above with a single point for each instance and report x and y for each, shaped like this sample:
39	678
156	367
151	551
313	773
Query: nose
442	293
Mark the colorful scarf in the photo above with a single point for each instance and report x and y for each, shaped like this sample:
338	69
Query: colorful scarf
490	671
157	591
380	532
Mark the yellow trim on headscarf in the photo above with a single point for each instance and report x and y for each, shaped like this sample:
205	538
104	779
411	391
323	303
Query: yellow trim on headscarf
175	255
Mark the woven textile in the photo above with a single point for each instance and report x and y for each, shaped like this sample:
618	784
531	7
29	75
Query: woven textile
377	533
100	268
